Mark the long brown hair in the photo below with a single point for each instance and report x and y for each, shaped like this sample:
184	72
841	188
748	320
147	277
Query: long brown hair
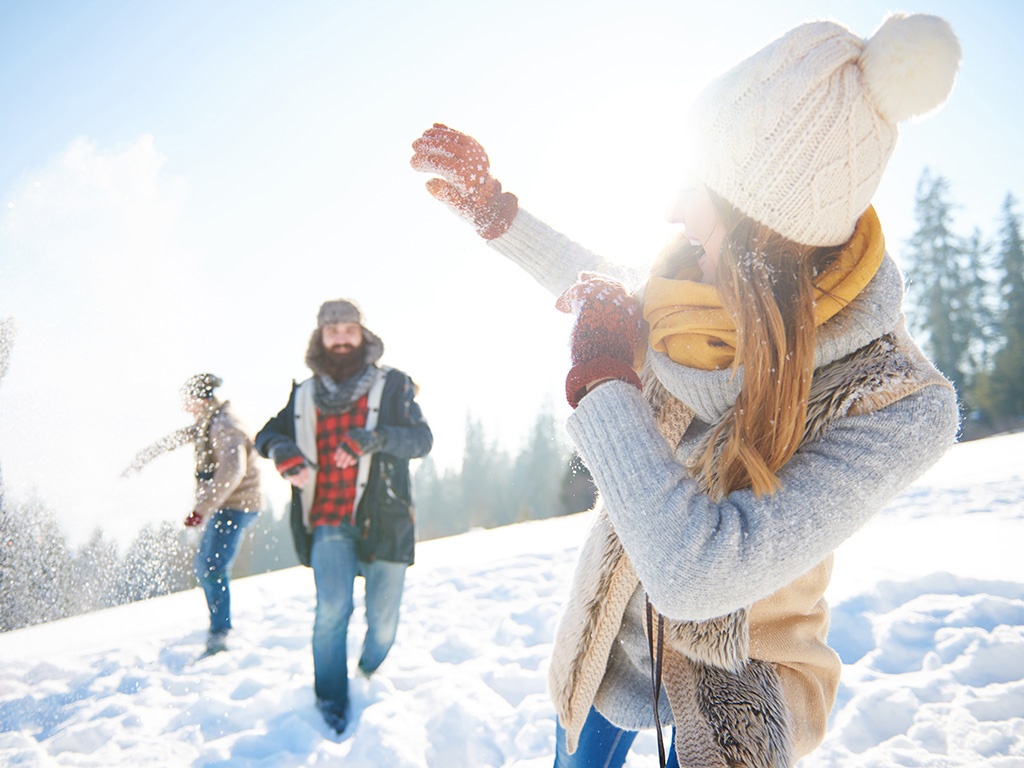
766	284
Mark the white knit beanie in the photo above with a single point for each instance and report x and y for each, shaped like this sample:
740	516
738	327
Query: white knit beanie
797	136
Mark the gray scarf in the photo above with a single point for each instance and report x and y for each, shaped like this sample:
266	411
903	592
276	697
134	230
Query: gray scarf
331	396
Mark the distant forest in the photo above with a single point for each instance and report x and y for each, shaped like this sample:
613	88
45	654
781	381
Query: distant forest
965	304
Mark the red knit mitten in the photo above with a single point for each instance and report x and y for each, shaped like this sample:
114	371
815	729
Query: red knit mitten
466	185
604	336
193	519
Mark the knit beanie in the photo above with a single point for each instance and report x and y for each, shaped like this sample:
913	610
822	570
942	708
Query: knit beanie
796	137
338	311
200	386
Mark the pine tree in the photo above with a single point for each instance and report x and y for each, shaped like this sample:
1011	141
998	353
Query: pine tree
1001	392
537	477
438	502
484	480
977	288
35	568
939	288
1011	257
96	569
157	563
425	483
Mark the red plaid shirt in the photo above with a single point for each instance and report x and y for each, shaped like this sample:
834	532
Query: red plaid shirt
335	497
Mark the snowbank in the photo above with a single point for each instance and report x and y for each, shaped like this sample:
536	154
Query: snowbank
928	616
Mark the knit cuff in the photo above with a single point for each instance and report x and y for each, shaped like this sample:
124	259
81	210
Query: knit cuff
600	368
288	464
351	446
548	256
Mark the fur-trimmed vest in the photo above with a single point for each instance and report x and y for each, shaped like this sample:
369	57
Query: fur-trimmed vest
753	688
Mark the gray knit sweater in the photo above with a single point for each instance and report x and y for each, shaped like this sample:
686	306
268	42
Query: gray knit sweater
696	558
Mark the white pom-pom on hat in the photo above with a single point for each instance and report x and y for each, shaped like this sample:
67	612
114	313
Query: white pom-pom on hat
910	65
797	136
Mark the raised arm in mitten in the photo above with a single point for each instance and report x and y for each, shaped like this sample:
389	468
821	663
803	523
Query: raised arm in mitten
464	182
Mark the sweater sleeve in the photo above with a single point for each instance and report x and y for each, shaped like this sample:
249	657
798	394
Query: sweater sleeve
699	559
551	258
230	455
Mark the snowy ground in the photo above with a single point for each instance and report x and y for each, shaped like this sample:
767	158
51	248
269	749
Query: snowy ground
928	615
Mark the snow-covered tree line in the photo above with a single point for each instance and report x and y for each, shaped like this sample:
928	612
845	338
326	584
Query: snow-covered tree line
43	578
966	305
492	489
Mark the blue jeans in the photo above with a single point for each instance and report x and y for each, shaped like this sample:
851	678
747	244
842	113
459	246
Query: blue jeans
602	745
335	567
217	551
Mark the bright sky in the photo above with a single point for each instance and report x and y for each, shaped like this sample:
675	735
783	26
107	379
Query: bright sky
182	184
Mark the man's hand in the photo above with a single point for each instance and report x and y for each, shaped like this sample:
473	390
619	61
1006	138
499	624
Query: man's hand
356	443
465	184
343	459
604	336
290	462
298	477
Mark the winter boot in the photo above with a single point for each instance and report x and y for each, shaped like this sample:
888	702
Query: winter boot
333	714
216	641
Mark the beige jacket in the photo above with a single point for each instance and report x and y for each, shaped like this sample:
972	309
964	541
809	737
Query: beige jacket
227	473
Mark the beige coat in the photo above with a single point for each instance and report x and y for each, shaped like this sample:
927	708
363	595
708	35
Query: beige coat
227	473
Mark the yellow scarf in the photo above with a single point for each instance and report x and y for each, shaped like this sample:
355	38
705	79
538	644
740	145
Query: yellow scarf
688	322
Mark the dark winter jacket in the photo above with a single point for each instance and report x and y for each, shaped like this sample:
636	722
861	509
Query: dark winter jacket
384	508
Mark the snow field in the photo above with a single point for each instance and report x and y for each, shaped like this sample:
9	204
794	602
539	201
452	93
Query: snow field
928	617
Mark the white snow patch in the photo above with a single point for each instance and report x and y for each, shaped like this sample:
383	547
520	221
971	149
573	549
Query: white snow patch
928	616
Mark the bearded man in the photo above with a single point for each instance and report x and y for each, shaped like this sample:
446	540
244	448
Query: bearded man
344	441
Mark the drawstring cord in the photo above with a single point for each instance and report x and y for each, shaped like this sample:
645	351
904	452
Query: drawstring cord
656	670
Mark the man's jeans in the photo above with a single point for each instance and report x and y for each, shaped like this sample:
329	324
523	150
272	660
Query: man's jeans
217	551
602	745
335	567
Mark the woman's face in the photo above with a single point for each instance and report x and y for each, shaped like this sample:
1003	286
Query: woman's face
697	214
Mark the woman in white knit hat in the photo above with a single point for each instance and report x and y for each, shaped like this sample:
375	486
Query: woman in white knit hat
745	410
